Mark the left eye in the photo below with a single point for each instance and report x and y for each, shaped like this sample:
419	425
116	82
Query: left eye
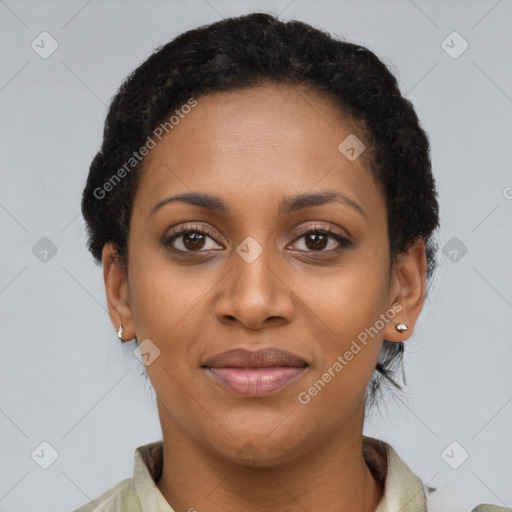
317	240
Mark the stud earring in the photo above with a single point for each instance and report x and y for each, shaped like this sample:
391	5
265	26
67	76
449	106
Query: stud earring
401	327
120	333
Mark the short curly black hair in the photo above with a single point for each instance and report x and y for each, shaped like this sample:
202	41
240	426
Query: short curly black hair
248	51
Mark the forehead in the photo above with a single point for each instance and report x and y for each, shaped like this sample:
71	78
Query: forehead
267	141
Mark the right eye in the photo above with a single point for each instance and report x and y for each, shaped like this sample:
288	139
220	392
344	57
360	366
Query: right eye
189	239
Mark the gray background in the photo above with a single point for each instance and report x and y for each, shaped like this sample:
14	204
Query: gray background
67	380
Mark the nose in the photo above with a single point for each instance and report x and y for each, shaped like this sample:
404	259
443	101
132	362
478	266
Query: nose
255	293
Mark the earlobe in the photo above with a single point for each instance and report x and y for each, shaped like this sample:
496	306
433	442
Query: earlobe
116	288
408	290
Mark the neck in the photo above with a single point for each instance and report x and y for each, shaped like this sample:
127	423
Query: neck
332	477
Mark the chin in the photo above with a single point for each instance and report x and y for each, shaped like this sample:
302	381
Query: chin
258	449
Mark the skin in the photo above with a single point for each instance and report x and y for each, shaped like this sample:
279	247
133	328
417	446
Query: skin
253	148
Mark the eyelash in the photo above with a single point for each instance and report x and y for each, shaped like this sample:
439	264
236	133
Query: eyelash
342	240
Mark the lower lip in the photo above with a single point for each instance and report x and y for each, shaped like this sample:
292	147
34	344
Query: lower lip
256	382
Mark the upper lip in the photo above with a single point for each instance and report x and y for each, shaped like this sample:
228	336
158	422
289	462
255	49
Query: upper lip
263	358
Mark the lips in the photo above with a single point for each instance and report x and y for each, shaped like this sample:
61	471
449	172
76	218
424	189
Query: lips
255	373
264	358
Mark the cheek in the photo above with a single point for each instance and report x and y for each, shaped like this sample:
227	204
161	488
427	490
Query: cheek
167	310
165	299
170	307
349	324
348	350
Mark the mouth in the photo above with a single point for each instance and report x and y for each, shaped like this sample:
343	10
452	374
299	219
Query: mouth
255	373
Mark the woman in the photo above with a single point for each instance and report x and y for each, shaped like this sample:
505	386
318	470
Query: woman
264	209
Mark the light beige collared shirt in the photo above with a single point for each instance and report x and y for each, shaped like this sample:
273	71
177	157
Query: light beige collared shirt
403	491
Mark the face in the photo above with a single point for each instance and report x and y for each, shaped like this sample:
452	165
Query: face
261	266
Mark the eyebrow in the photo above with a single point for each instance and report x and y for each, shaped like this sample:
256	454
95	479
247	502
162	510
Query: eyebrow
288	205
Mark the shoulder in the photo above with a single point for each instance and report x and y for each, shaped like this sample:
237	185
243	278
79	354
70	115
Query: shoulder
490	508
137	492
120	497
402	487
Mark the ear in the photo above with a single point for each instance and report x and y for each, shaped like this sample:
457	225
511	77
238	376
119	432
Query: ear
407	289
116	287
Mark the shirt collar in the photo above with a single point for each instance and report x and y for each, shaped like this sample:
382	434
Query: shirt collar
403	490
148	465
